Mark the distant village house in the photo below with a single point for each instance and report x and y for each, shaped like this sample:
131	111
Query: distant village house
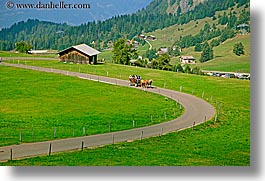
243	28
82	54
187	60
134	43
141	37
162	50
148	37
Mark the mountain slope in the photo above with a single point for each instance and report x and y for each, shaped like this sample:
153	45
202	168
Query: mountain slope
99	10
43	35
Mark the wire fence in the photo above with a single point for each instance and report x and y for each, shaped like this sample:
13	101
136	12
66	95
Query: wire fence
42	132
33	135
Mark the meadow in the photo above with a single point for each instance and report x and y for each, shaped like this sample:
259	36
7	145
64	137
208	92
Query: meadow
43	106
226	60
225	142
13	54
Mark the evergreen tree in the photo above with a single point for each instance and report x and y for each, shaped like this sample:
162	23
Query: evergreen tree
226	34
178	11
239	49
207	53
198	47
215	42
232	21
151	54
190	2
223	19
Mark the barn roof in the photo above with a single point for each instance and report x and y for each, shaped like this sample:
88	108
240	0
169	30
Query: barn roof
84	48
187	57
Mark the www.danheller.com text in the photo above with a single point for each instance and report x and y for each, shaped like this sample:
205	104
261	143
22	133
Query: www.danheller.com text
49	5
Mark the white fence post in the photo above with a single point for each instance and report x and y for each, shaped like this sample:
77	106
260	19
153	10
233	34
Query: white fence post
20	136
84	131
54	133
161	132
141	136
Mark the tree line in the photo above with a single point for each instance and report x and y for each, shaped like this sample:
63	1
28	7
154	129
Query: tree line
47	35
210	32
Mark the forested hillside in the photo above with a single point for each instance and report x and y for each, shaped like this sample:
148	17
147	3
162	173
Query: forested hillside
157	15
98	10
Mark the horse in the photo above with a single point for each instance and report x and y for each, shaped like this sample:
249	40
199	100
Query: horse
143	83
134	81
149	82
146	83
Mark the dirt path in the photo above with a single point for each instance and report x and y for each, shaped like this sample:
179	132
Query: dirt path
197	111
150	45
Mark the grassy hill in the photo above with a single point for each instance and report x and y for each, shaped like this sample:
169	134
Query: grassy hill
168	36
224	59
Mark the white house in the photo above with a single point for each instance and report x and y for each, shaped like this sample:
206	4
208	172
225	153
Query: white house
187	60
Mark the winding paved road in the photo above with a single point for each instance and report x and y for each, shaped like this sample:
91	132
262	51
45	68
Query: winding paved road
197	111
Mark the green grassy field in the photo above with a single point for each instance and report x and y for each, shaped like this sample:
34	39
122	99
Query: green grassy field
37	103
15	54
226	60
106	55
226	142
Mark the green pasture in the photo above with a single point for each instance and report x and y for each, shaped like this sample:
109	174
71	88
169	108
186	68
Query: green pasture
225	142
166	37
106	55
226	60
12	54
40	104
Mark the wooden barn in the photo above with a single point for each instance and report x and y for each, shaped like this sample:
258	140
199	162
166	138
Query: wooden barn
82	54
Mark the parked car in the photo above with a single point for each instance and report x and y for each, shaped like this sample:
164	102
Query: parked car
226	76
244	76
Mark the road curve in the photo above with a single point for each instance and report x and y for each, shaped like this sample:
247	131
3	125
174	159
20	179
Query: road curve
197	111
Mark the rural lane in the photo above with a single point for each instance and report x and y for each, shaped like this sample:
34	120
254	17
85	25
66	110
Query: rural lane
197	111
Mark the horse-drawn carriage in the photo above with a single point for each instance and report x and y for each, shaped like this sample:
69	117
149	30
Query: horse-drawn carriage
138	82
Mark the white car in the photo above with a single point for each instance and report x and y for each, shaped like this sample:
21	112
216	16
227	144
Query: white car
244	76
